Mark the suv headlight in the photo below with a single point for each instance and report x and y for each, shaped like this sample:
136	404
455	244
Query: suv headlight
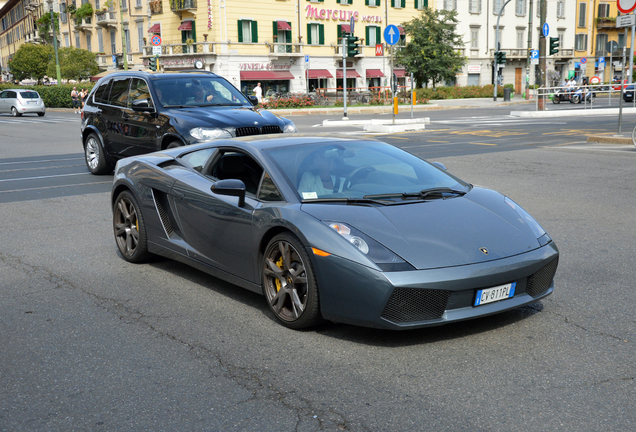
201	133
380	255
290	128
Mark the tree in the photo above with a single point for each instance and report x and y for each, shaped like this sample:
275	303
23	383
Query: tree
431	54
75	64
31	61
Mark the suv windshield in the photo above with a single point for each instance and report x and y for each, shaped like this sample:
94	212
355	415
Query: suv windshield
362	170
198	91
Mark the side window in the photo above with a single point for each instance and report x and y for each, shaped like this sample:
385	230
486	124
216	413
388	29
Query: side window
4	95
197	159
239	166
119	92
12	95
139	91
101	94
269	191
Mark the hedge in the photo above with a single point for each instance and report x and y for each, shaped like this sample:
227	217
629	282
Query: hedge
54	96
466	92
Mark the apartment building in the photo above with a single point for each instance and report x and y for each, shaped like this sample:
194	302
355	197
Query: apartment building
17	25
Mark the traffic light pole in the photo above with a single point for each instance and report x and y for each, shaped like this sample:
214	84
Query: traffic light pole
543	55
496	74
344	75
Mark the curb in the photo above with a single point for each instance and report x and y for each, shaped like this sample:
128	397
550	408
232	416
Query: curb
572	112
391	128
609	139
335	123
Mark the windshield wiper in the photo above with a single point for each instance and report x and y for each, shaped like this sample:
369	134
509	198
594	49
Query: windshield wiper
423	194
364	200
174	106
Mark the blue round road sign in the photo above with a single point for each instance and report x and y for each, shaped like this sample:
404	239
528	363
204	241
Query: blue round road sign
391	34
156	40
546	29
584	60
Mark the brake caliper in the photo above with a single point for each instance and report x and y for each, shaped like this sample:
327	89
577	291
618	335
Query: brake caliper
279	263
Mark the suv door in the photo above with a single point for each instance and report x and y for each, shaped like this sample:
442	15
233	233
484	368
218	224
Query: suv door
112	113
140	131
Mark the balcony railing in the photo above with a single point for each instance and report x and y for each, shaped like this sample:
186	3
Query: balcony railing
181	5
106	18
175	48
604	23
284	48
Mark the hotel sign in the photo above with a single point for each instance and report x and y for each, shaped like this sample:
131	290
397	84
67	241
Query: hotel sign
339	15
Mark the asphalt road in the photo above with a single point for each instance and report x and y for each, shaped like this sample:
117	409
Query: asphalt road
90	342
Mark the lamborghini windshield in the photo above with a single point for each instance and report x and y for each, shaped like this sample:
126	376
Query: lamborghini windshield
362	170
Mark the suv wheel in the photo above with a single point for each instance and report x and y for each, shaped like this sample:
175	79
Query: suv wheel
94	155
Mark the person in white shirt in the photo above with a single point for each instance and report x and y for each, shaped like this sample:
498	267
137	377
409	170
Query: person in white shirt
320	179
258	91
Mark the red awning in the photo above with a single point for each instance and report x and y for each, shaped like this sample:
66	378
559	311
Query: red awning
186	25
400	73
374	73
318	73
266	75
351	73
401	29
155	29
346	28
283	25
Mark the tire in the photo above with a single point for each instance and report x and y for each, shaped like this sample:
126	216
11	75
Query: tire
15	113
556	99
289	283
174	144
634	136
575	99
94	156
41	114
129	229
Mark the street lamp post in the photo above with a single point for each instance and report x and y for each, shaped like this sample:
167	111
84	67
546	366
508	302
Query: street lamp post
57	59
497	48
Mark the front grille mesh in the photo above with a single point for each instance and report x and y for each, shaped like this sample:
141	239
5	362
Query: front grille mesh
408	305
541	280
253	130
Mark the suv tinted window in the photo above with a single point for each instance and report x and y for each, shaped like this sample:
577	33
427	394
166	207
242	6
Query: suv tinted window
101	95
119	92
139	91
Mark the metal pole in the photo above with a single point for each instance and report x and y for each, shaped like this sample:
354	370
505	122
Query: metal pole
412	95
497	48
344	75
393	84
57	59
123	34
620	98
542	58
631	57
529	49
610	80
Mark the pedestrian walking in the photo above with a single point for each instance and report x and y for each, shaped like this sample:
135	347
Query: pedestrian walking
83	94
76	101
258	91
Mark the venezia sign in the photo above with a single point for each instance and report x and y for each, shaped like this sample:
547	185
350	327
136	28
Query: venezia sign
263	66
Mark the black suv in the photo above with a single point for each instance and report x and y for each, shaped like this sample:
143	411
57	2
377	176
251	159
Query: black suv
130	113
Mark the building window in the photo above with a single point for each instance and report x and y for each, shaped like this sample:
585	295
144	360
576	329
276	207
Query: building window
496	7
421	4
100	40
372	2
113	42
77	40
580	42
561	9
520	38
282	36
140	36
89	46
398	3
63	17
450	5
66	41
601	42
474	38
603	10
346	2
520	7
621	40
582	14
97	5
561	37
247	31
373	35
315	34
474	6
138	3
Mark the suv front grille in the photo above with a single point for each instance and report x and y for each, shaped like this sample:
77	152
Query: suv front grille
541	280
409	305
253	130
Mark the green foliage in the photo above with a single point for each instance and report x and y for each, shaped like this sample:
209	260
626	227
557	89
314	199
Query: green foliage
30	61
84	11
459	92
54	96
44	26
77	64
430	54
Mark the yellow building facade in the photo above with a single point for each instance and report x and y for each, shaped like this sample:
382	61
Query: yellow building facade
595	37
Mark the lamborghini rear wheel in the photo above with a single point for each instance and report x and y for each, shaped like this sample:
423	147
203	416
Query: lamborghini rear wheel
129	228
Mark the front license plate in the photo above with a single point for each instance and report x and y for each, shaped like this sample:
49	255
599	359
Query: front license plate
490	295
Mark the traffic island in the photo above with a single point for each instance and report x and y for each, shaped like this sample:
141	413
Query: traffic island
610	139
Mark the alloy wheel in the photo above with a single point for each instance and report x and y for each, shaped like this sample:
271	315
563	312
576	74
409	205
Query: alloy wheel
126	227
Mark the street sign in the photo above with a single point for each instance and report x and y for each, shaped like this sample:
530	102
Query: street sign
391	34
625	21
352	23
601	60
156	50
625	6
306	58
611	46
584	60
534	54
155	40
379	50
546	29
595	80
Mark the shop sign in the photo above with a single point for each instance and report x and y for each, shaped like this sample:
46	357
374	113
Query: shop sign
339	15
263	66
474	68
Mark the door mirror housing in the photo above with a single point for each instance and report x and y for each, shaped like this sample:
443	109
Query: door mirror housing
439	165
142	105
253	100
230	187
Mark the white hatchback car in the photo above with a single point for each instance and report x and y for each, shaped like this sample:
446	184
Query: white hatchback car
21	101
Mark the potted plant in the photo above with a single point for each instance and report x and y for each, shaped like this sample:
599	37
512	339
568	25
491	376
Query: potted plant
189	42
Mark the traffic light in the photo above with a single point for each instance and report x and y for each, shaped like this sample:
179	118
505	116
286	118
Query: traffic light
554	45
500	57
353	49
152	63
